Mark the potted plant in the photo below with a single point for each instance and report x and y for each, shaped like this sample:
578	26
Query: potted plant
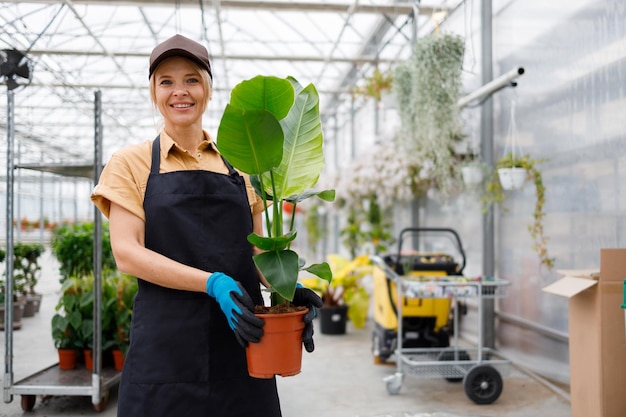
18	309
26	271
345	298
68	323
23	272
495	194
271	129
119	295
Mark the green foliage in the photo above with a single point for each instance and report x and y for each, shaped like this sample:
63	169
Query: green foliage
346	287
73	321
376	84
494	194
72	244
72	325
366	223
271	129
427	89
25	268
314	227
118	297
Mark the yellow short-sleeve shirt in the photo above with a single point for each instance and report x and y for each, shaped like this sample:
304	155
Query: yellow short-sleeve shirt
124	177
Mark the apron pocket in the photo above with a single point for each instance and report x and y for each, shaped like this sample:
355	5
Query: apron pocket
169	341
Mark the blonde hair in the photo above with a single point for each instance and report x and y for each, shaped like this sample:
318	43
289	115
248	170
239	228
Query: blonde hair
207	84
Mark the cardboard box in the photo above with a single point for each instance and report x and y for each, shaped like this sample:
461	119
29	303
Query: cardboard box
597	344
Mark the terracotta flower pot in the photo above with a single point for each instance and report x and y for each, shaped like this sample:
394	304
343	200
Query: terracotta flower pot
87	353
67	358
280	350
118	359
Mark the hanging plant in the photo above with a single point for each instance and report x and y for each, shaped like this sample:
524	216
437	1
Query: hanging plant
427	89
375	85
495	194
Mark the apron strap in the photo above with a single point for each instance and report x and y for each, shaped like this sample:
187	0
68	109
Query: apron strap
156	156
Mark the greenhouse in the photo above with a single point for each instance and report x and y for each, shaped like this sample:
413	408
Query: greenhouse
462	212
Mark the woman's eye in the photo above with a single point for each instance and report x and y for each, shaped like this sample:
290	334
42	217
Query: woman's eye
165	82
193	81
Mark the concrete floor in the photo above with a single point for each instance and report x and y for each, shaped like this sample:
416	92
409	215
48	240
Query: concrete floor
339	379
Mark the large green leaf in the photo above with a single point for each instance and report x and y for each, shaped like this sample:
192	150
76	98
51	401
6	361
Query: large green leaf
272	243
251	140
321	270
269	93
280	268
303	156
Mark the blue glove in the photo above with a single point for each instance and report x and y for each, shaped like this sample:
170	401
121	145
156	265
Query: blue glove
237	306
307	298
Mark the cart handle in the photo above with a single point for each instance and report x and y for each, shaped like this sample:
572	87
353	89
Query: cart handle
418	230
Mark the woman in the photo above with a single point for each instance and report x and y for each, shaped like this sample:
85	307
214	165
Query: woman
179	216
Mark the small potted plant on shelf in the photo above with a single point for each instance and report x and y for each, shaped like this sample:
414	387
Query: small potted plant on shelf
26	271
271	130
495	194
119	292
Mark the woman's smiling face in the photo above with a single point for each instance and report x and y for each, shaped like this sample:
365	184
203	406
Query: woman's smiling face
179	92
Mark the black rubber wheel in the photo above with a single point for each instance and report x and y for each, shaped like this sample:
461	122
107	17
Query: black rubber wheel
449	356
483	384
28	402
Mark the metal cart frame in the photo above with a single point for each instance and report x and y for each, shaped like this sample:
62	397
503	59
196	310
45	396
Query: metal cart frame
52	381
480	368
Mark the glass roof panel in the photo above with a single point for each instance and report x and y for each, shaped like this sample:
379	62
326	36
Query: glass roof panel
77	48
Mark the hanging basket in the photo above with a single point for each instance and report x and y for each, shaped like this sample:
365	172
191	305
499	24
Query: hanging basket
280	350
472	174
512	178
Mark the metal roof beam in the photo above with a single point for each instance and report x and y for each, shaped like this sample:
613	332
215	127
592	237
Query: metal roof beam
297	6
290	58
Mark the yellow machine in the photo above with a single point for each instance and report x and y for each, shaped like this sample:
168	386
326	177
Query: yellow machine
425	321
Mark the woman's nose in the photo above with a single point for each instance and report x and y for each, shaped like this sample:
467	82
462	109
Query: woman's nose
180	90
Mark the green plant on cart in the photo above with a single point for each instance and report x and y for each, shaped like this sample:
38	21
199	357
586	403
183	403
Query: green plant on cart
495	194
72	245
272	130
73	319
118	298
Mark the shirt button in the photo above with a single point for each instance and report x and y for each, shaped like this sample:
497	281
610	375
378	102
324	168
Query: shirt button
199	155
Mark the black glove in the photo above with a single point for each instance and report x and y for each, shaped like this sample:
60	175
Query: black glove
237	306
307	298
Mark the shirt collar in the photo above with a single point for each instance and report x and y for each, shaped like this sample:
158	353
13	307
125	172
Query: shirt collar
167	143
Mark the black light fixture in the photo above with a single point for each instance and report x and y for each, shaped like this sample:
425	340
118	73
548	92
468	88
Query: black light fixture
13	64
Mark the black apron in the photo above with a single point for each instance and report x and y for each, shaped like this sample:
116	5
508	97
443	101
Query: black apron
183	358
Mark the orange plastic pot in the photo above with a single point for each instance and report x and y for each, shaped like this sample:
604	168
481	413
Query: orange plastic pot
280	350
67	358
118	359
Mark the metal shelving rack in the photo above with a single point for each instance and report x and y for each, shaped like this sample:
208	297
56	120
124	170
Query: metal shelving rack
52	380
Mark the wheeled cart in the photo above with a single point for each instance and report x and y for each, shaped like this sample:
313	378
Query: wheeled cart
95	383
480	369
